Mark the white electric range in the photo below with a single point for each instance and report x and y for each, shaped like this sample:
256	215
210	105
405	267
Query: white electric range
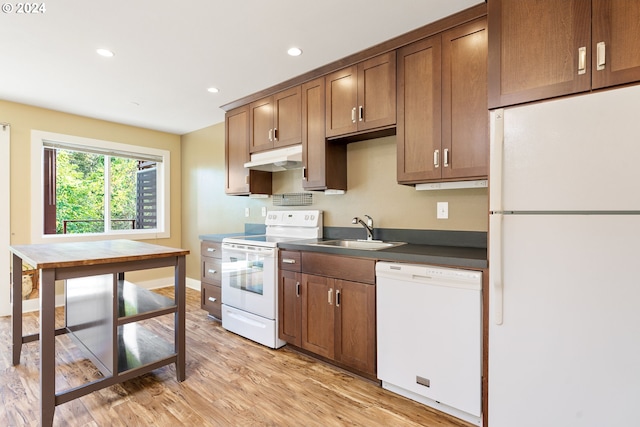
250	274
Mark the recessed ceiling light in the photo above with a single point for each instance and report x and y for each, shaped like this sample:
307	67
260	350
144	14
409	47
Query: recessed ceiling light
213	90
295	51
105	52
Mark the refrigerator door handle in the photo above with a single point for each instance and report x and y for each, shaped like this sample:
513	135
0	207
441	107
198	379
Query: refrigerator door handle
495	160
495	269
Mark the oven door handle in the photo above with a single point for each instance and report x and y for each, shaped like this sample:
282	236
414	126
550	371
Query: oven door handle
246	249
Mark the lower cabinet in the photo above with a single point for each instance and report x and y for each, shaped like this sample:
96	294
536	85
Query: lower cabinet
325	311
210	278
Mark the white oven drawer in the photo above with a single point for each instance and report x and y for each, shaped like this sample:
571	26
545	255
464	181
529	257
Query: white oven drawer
256	328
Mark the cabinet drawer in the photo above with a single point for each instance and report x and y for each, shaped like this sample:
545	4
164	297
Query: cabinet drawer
211	269
211	299
345	268
210	249
290	260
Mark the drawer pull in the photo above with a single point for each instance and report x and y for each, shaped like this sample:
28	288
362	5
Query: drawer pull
211	249
212	299
582	60
600	52
288	261
211	271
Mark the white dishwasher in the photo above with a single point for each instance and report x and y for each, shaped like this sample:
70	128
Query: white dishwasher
429	334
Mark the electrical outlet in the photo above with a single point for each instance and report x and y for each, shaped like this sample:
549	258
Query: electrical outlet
442	210
264	211
246	212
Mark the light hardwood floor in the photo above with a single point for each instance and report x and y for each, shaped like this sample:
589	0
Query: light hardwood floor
231	381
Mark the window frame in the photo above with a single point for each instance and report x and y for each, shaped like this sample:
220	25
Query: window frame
38	140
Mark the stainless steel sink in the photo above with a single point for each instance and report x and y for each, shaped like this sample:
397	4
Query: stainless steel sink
368	245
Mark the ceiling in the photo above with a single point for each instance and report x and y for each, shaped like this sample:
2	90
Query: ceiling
167	53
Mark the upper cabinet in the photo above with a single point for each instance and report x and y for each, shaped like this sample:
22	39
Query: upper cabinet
275	121
361	97
240	180
549	48
442	131
324	162
615	42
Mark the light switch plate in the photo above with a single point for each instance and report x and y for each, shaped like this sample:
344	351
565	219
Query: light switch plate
246	212
442	210
264	211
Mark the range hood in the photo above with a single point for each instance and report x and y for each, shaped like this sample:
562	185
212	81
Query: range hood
280	159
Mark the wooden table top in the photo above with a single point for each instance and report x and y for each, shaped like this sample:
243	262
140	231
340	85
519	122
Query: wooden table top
74	254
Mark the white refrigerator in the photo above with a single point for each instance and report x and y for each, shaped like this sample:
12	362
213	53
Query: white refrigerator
564	249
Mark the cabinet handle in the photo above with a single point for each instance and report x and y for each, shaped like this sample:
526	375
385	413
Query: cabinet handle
600	52
211	249
298	289
446	157
212	299
353	115
338	298
361	113
211	271
288	261
436	158
582	60
271	135
304	173
329	296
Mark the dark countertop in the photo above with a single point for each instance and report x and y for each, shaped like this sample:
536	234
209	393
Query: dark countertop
465	257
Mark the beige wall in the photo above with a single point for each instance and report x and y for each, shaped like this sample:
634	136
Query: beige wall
372	190
24	118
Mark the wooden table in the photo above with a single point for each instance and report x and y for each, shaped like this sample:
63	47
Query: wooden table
102	311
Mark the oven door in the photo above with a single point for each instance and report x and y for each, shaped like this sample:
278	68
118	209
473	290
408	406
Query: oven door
249	278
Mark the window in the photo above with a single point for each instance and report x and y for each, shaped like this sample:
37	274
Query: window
91	188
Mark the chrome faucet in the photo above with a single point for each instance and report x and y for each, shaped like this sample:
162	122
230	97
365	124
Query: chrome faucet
367	226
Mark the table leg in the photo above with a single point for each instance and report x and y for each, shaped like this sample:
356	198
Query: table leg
180	317
16	308
47	347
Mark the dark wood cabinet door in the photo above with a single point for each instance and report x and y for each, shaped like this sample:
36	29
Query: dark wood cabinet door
318	315
240	180
616	30
287	120
534	50
419	129
237	150
290	307
355	344
377	92
465	119
325	163
341	100
261	125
